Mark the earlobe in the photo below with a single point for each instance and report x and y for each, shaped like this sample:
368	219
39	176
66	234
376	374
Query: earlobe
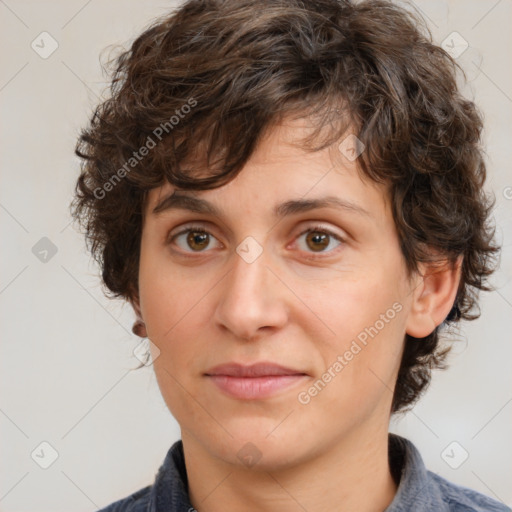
434	296
139	327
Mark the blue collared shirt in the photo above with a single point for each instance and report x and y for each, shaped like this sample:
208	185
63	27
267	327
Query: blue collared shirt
419	490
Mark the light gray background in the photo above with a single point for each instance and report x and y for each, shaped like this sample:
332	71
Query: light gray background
66	350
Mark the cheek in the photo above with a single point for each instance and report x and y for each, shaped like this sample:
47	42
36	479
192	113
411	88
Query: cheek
348	305
366	315
165	294
173	312
174	307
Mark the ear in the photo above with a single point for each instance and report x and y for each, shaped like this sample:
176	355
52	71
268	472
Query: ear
433	297
139	327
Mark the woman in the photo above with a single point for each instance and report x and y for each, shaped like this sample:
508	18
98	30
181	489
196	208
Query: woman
289	193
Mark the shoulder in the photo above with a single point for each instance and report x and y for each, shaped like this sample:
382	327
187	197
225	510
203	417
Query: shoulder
424	491
463	499
168	491
136	502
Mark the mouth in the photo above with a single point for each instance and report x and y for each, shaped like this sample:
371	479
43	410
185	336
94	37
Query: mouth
253	382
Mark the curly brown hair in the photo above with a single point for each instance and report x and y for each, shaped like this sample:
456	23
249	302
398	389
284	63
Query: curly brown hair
223	71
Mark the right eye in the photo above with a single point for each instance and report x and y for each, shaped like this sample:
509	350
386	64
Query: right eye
193	239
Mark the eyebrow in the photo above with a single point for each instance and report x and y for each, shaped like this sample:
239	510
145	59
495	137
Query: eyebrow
180	201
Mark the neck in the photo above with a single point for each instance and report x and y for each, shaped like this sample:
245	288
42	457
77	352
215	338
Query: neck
352	476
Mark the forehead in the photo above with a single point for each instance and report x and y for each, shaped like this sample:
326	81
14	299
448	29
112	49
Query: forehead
281	169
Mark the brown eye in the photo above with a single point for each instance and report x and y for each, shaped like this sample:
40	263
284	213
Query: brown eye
319	240
194	239
198	240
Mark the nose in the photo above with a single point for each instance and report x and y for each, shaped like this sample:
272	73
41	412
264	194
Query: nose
252	299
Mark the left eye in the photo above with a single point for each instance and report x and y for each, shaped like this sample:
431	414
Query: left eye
319	240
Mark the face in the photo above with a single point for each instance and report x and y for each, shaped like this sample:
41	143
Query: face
279	315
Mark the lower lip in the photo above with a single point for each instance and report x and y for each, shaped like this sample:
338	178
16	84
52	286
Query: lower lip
254	388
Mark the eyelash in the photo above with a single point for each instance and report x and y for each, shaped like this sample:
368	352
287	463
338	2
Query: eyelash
331	234
319	229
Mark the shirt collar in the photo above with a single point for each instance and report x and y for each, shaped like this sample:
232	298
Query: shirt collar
416	490
170	490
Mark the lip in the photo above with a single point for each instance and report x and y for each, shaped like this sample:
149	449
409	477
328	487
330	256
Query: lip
253	382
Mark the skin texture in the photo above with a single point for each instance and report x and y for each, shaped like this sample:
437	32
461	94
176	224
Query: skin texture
285	307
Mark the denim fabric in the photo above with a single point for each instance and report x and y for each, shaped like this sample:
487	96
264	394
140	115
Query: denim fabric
419	490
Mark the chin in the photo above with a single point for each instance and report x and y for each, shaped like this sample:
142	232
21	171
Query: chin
260	454
254	448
